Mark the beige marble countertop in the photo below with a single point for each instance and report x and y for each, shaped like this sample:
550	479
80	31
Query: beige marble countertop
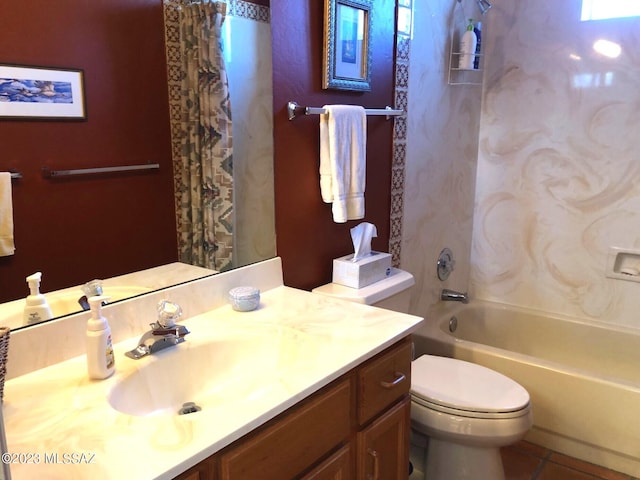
62	422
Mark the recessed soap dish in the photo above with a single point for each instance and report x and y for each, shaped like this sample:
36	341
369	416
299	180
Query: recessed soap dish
623	264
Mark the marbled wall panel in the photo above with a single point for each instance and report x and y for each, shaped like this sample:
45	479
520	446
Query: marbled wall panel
442	143
558	174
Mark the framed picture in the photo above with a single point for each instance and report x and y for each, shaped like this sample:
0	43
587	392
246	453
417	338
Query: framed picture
346	53
41	93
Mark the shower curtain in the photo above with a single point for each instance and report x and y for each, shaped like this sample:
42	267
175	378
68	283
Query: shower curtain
206	151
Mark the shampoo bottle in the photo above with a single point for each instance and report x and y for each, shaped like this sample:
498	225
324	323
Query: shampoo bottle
36	308
468	48
478	31
100	359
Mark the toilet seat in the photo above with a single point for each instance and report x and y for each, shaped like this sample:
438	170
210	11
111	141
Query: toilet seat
466	389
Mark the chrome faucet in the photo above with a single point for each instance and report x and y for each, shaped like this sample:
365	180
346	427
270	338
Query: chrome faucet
452	296
163	334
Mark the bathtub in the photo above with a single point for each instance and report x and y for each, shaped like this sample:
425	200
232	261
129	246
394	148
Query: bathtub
583	376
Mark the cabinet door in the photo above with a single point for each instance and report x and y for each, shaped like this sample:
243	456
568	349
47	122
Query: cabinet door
336	467
383	447
205	470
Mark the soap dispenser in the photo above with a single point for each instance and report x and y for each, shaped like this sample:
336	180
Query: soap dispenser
100	358
36	308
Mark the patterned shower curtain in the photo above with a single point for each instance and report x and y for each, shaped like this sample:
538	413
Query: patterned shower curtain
206	193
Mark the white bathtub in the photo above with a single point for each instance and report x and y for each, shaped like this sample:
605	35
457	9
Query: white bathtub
583	377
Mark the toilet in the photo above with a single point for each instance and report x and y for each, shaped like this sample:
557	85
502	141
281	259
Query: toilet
461	412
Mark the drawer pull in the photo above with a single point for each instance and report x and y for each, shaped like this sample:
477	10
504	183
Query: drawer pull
400	377
376	468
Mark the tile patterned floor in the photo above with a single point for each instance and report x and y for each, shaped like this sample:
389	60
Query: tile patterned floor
526	461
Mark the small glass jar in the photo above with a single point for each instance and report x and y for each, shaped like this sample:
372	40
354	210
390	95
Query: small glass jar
244	299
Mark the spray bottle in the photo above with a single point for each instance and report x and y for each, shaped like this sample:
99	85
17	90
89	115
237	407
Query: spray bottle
100	358
36	308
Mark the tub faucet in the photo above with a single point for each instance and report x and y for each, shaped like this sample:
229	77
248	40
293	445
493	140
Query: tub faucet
452	296
164	333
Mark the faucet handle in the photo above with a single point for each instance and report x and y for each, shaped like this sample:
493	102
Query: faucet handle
168	313
176	330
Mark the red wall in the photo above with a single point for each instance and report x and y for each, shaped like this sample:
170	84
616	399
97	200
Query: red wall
78	229
307	237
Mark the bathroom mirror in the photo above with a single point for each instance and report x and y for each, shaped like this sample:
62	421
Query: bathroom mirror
247	38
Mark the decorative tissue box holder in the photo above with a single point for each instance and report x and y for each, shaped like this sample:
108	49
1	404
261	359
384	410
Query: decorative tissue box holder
363	272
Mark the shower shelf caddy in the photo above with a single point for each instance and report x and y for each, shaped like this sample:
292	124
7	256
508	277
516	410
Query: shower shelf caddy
462	76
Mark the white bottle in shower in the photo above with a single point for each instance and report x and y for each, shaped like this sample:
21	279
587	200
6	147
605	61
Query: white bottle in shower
36	308
468	48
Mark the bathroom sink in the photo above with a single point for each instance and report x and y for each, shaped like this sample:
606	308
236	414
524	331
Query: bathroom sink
210	374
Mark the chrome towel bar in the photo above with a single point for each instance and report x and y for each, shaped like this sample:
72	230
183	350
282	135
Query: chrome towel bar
294	110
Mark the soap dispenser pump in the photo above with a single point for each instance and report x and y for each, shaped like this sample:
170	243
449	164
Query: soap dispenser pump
36	308
100	358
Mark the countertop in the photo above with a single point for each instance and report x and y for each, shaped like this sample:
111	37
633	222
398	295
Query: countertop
62	422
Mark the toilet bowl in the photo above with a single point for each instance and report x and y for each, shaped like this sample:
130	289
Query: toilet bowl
461	413
468	412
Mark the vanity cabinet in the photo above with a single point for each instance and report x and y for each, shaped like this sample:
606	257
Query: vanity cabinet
383	443
205	470
337	467
383	447
355	427
296	441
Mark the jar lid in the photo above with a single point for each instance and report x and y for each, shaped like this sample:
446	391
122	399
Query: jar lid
243	292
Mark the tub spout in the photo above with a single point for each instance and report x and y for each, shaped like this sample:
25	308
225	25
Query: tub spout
452	296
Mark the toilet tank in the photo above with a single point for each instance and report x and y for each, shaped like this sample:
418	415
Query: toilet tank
392	293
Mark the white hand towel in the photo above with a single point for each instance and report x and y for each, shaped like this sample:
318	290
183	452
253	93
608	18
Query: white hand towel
7	246
343	140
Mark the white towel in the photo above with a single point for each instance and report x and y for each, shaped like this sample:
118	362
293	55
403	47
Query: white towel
343	140
6	216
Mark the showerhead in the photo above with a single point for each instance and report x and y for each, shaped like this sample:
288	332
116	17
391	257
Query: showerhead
484	6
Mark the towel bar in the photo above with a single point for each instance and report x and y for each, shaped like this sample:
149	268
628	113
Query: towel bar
294	110
15	175
48	173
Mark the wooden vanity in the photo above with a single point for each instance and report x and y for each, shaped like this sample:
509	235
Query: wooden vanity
316	388
355	427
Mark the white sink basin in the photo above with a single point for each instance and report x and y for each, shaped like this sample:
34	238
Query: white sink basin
210	374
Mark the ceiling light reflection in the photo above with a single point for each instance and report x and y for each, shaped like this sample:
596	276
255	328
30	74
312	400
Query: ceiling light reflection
607	48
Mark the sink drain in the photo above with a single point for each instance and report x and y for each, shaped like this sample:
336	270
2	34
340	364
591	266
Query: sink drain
189	407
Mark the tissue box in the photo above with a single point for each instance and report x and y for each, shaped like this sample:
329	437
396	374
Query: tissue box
365	271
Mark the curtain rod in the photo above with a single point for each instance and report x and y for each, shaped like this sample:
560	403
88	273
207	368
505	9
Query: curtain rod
294	110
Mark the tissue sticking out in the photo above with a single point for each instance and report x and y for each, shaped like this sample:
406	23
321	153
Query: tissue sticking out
364	266
361	236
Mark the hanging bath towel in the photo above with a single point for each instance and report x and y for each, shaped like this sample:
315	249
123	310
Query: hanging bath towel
343	140
7	246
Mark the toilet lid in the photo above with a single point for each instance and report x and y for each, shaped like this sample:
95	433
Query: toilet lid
465	386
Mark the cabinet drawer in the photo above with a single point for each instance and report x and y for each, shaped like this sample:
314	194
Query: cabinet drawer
295	442
384	380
